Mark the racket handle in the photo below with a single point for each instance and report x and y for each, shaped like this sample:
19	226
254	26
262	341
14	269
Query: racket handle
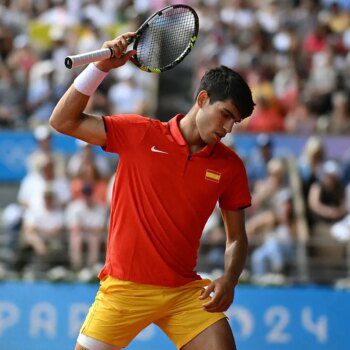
88	57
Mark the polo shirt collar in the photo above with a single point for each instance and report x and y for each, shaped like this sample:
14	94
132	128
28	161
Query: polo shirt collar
179	139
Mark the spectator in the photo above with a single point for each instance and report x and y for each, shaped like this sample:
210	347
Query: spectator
90	37
327	196
304	17
6	41
338	121
88	174
316	40
266	118
310	162
338	20
265	190
43	233
301	119
32	187
322	80
286	83
257	163
127	97
58	14
43	137
12	216
279	229
268	16
327	206
59	51
86	220
86	154
12	99
42	92
21	59
238	13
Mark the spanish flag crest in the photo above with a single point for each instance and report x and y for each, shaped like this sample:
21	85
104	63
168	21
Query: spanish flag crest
212	175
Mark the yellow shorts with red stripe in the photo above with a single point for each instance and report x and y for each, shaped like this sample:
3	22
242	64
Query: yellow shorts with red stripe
122	309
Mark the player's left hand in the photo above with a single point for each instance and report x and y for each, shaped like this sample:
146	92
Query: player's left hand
223	290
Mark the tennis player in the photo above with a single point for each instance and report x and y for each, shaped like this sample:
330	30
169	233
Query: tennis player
170	177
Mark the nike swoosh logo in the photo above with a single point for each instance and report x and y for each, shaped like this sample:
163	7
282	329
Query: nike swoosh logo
154	149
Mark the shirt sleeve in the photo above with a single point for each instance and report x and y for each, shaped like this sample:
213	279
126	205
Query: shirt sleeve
236	194
124	132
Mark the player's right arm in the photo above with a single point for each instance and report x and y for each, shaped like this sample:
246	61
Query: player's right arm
68	116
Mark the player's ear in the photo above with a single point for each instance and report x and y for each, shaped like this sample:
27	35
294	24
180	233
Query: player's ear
202	98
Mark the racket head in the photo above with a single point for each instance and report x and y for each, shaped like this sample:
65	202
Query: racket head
166	38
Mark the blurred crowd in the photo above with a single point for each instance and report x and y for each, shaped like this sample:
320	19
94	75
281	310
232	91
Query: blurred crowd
295	55
61	215
300	205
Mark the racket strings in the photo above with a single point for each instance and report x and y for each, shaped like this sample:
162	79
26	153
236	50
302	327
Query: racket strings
166	39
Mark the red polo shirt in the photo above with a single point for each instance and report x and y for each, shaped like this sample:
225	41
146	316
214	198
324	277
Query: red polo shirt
162	198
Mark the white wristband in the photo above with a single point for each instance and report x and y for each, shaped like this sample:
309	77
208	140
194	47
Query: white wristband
89	79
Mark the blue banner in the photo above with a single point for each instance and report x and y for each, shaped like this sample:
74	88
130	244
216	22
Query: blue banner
16	146
38	316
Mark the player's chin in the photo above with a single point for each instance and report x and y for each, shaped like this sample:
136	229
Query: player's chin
210	139
214	138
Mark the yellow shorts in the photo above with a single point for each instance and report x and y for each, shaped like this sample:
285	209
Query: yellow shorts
122	309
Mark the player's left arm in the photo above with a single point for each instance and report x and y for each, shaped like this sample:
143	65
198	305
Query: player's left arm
235	257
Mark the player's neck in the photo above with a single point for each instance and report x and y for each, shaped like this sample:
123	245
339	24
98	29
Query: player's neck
190	132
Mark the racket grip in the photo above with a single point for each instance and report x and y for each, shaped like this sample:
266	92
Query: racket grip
88	57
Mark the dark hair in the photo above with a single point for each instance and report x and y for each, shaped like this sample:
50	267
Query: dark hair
223	83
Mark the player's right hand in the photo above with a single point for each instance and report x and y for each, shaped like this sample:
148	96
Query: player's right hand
121	56
223	291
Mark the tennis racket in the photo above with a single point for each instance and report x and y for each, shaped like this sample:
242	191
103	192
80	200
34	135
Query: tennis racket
161	42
